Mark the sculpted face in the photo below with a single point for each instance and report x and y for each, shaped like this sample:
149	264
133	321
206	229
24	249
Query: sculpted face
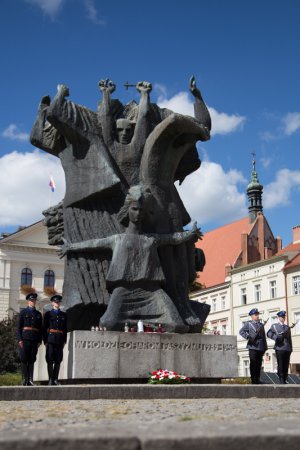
135	212
125	130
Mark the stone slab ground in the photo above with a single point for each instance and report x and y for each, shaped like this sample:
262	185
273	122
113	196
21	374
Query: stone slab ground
147	417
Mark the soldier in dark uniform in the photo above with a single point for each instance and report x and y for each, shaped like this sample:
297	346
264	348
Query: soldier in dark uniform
29	335
55	337
281	334
254	332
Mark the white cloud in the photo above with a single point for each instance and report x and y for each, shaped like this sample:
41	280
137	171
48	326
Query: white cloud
210	194
265	162
25	190
12	132
291	123
92	12
277	193
49	7
222	123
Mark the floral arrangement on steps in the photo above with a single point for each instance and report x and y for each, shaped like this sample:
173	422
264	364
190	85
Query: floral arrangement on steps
167	377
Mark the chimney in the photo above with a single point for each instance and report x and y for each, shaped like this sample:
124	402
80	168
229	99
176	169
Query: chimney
228	268
278	243
296	234
244	245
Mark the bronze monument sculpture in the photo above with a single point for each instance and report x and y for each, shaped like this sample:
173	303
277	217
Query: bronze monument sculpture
127	256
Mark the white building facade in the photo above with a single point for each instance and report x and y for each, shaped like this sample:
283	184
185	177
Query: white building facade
27	263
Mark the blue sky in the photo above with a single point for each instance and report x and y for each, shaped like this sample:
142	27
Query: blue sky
244	54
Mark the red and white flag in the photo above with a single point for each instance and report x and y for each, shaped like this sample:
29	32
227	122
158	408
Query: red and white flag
52	184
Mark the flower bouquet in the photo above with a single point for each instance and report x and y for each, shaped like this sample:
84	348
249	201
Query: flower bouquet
167	377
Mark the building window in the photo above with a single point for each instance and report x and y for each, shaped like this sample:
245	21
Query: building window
257	292
49	279
26	277
223	329
243	296
296	285
223	302
297	327
271	268
273	290
256	273
273	319
242	276
214	305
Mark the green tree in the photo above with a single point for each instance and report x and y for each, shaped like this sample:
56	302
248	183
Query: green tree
9	359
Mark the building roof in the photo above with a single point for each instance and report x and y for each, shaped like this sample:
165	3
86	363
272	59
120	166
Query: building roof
221	246
290	248
294	262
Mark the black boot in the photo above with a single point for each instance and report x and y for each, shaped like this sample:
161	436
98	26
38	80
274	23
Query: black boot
55	374
30	376
50	374
24	371
281	380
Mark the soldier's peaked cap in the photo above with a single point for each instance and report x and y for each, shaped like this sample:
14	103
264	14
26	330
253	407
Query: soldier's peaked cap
253	311
56	298
281	314
31	296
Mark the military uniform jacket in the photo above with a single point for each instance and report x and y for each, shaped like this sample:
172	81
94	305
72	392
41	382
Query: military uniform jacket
281	334
254	332
57	322
30	325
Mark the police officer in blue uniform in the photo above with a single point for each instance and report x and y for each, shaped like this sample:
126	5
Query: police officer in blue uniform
254	332
55	337
281	334
29	335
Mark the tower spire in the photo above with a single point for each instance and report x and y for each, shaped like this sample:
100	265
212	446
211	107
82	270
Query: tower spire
254	193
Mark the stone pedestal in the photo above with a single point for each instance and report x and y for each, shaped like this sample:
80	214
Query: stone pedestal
111	355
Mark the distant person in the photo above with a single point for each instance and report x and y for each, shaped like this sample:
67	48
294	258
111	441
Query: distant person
281	334
55	337
29	335
254	332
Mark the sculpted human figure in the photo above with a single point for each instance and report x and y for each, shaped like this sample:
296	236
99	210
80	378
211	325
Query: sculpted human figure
104	154
126	138
135	276
94	195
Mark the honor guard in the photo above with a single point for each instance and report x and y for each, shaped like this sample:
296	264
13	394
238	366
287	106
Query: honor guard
281	334
254	332
29	335
55	337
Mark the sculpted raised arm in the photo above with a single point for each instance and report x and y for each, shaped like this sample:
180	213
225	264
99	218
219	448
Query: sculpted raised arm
107	87
142	128
89	245
201	112
71	120
179	237
44	135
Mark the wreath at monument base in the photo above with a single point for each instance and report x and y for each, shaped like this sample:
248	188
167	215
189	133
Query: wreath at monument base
167	377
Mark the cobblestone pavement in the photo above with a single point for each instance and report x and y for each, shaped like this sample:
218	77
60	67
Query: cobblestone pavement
143	414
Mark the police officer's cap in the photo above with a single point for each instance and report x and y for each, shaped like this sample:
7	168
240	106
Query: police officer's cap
253	311
281	314
56	298
31	296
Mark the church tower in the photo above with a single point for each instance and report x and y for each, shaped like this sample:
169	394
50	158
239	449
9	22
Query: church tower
254	193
